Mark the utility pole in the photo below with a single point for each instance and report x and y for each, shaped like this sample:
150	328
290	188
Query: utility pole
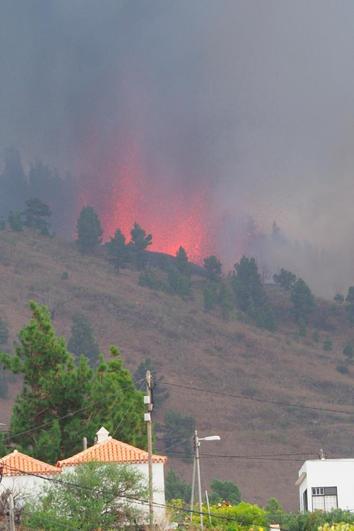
193	487
197	460
196	469
148	400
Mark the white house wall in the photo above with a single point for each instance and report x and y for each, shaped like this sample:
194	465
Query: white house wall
158	485
24	486
329	473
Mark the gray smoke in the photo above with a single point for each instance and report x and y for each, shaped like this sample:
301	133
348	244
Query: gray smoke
252	101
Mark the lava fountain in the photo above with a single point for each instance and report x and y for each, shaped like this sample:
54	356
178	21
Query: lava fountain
175	215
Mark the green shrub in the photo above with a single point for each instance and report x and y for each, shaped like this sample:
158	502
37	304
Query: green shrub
150	279
179	283
327	344
348	351
342	368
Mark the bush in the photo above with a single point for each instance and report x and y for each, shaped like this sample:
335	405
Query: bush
15	221
316	336
178	283
342	368
224	491
327	344
235	517
65	275
177	488
348	351
210	296
150	279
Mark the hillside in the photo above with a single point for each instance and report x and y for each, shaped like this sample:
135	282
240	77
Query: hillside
196	349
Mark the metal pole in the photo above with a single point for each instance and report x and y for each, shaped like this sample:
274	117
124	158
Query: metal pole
149	441
197	443
193	485
208	504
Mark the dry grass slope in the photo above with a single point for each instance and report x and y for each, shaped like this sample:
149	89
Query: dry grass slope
196	349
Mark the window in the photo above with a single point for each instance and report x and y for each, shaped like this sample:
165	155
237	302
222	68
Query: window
324	498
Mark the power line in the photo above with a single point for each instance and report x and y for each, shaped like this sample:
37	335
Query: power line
243	457
67	415
129	498
260	400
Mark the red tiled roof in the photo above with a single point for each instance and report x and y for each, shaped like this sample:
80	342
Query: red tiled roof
18	464
111	451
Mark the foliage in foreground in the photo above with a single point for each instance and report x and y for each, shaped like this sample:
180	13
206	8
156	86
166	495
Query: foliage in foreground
66	396
96	502
246	517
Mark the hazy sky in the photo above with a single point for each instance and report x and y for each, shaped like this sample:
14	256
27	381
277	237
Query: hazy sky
251	100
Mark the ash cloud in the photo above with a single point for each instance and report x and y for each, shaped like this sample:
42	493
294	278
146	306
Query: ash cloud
247	103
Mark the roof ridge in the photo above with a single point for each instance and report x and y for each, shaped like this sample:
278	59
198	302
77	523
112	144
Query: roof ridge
105	452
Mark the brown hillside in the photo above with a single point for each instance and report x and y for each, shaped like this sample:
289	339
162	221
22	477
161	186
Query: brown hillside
195	349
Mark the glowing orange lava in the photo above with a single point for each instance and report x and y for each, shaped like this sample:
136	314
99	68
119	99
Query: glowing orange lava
172	214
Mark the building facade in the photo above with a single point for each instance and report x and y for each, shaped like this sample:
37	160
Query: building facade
109	450
326	484
24	476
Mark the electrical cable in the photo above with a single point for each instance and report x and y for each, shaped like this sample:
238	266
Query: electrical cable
260	400
129	498
48	423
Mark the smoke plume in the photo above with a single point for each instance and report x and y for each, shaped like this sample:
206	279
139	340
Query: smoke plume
193	118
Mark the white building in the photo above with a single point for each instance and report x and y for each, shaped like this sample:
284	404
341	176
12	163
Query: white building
326	484
109	450
24	476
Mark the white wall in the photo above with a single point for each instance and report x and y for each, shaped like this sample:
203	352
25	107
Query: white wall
158	485
24	486
329	473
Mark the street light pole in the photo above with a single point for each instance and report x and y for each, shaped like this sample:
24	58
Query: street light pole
197	444
196	468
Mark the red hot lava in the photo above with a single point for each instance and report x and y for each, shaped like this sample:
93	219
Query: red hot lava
172	215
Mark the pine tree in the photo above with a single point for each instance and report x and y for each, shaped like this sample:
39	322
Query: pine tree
249	293
117	250
89	230
67	397
138	244
285	279
303	301
213	268
36	216
15	221
82	339
182	262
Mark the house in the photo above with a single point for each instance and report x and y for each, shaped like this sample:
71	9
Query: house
109	450
326	484
23	475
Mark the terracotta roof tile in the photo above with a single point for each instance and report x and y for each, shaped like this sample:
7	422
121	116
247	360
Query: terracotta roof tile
18	464
111	451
